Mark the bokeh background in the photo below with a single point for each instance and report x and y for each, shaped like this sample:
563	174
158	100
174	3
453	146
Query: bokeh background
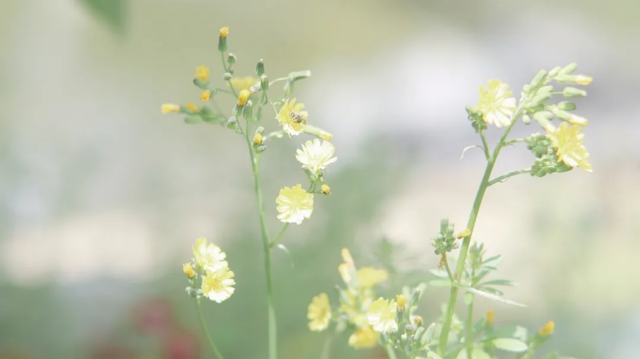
101	196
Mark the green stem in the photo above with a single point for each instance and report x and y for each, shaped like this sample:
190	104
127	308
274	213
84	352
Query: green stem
485	146
275	240
482	189
226	69
326	348
507	175
272	328
391	354
206	331
468	341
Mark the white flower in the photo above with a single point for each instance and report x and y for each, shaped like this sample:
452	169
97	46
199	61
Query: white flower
495	104
218	285
316	155
294	204
382	315
208	256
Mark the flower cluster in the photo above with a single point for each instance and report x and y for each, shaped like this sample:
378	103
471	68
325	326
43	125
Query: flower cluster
210	268
358	309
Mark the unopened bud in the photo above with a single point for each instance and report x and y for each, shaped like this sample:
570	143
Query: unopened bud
325	189
206	95
567	105
188	270
569	68
200	83
417	320
555	71
231	59
582	79
222	40
547	329
227	76
539	79
571	92
247	111
260	68
526	119
401	300
465	233
257	139
264	82
170	107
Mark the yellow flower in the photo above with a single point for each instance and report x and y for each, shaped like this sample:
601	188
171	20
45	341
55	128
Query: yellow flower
465	233
206	95
364	337
401	300
257	139
243	83
348	267
547	329
294	204
243	97
570	149
170	107
325	189
490	317
315	155
382	315
192	107
218	285
495	104
188	270
292	118
224	32
208	256
319	312
202	73
368	276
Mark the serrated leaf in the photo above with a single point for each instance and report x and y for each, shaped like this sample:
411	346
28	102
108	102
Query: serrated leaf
504	282
284	249
493	297
510	345
440	283
439	273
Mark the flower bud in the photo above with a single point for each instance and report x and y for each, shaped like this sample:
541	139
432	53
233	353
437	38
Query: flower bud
555	71
547	329
582	80
206	95
231	58
227	76
201	84
192	107
543	118
325	189
526	119
260	68
188	270
232	122
569	68
417	320
567	105
170	107
401	300
264	82
243	97
465	233
539	79
571	92
257	139
261	148
202	73
222	40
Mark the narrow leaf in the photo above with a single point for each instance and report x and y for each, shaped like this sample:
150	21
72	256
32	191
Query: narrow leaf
440	283
493	297
284	249
510	344
504	282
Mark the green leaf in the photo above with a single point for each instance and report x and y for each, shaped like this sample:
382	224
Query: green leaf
112	12
493	297
504	282
476	353
428	335
511	331
433	355
468	298
510	345
440	283
439	273
492	262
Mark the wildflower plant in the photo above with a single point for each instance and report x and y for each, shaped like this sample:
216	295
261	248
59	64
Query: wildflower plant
208	272
370	316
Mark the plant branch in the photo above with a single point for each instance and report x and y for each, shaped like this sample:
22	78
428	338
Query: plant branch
206	331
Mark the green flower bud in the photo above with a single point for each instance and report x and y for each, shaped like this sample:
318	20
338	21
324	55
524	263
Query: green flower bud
222	39
538	144
569	68
539	79
232	122
260	68
247	111
261	148
201	84
526	119
555	71
227	76
264	82
571	92
543	118
231	59
192	119
475	117
567	106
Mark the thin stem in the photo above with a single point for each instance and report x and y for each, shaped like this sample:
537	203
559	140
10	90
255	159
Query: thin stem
272	327
226	69
326	348
507	175
485	146
482	189
275	240
468	341
446	265
390	352
206	331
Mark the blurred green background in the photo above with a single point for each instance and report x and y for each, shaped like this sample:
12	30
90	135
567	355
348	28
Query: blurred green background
102	197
